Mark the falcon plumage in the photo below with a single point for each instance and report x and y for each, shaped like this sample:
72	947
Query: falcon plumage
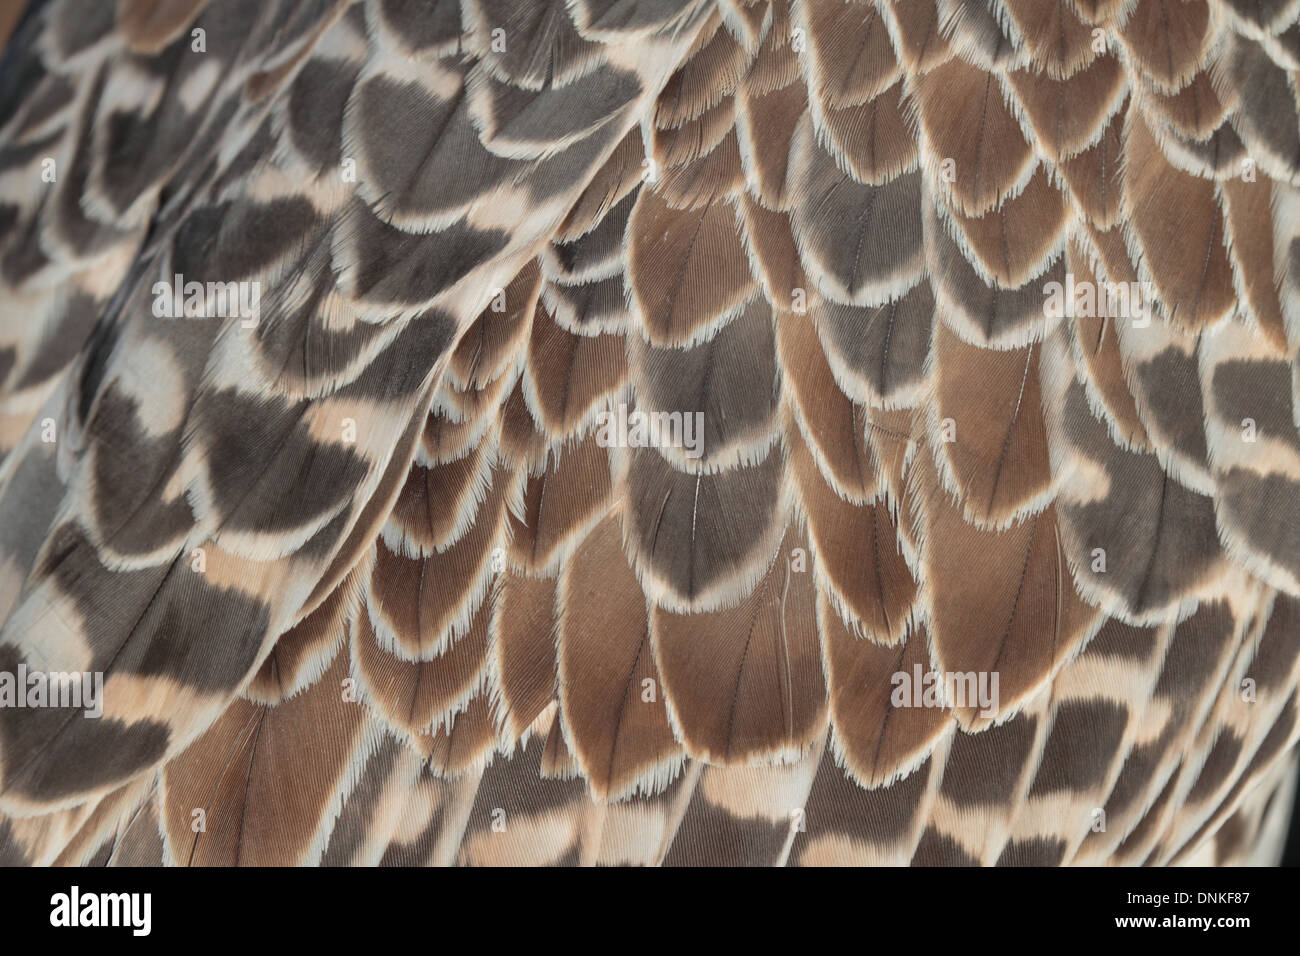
371	578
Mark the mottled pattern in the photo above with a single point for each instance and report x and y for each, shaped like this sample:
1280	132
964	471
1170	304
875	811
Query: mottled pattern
367	582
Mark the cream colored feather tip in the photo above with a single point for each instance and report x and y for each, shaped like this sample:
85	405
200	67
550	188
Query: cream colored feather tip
649	432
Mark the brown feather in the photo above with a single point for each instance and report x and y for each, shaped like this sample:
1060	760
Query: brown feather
558	762
874	138
852	58
1179	224
766	123
421	602
464	743
560	504
997	455
1252	252
688	267
568	375
876	741
923	45
433	505
1068	114
1097	350
523	641
676	145
710	178
833	426
858	555
761	655
1060	43
1095	176
419	697
610	695
1195	111
304	651
698	537
988	315
1013	242
965	119
1019	618
264	777
711	71
619	175
1167	44
774	257
488	346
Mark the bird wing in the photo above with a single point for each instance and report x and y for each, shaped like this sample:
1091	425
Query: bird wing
646	398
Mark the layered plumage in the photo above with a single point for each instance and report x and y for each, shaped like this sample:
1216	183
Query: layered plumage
366	578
